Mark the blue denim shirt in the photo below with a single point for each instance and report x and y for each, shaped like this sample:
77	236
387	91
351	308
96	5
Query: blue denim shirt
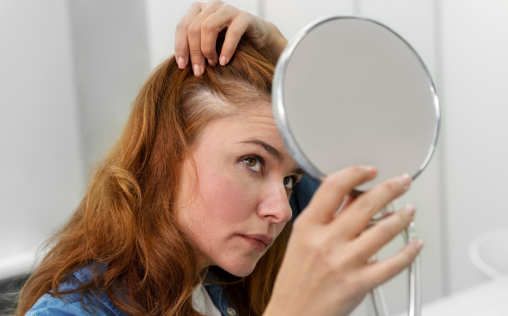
100	304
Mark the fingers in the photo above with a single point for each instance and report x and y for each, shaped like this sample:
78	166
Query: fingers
353	220
348	200
333	190
377	273
235	31
211	28
381	233
194	37
181	40
237	23
197	32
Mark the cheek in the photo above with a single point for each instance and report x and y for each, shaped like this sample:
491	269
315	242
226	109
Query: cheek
278	228
227	198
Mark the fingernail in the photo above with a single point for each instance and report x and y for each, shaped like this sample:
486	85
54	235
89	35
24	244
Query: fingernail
181	62
405	180
371	170
211	62
418	244
410	209
223	60
197	70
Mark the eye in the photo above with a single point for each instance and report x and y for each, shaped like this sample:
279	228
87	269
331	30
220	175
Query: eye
289	182
253	163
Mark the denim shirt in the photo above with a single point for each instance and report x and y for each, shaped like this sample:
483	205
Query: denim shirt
100	304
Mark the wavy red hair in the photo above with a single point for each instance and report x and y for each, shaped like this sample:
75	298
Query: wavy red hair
125	221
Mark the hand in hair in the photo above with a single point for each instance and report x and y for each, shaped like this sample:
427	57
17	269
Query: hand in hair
197	32
325	270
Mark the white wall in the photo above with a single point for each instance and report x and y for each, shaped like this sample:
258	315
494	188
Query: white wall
41	165
70	70
475	98
111	63
291	16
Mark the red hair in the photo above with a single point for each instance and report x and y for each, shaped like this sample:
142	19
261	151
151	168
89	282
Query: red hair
125	221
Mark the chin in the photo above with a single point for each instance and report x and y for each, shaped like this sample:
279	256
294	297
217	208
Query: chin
241	268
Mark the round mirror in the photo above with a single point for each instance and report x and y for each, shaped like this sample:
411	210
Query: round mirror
349	91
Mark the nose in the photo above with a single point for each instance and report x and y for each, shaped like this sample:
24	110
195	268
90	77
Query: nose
274	205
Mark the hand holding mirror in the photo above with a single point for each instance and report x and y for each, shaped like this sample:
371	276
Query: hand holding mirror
350	91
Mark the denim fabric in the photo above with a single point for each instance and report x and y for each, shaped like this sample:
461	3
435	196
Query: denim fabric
217	293
302	193
99	303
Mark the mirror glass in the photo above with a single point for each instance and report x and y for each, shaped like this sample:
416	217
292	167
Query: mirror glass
349	91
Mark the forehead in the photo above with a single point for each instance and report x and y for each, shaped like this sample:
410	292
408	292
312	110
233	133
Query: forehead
255	122
255	118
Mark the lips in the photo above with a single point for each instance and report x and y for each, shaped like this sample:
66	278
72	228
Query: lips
258	241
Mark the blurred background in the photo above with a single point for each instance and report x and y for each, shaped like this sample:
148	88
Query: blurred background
69	70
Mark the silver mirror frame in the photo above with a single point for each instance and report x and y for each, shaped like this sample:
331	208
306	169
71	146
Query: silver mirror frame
279	111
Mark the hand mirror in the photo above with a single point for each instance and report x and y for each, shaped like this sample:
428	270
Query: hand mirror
349	91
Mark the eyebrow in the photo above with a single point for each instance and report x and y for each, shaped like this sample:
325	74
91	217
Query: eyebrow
274	152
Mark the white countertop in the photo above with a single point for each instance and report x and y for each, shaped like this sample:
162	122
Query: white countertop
487	299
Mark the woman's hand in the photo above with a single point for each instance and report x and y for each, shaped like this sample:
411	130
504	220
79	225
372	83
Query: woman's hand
196	34
325	269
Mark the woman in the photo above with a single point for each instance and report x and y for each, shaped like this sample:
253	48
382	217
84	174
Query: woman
188	214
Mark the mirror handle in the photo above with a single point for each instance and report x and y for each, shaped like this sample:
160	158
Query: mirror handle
377	295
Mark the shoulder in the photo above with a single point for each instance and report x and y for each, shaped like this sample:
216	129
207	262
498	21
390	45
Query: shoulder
74	304
54	306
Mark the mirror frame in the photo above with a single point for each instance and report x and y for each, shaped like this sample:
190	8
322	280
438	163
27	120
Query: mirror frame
279	111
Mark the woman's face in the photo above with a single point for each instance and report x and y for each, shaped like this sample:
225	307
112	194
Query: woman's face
240	201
